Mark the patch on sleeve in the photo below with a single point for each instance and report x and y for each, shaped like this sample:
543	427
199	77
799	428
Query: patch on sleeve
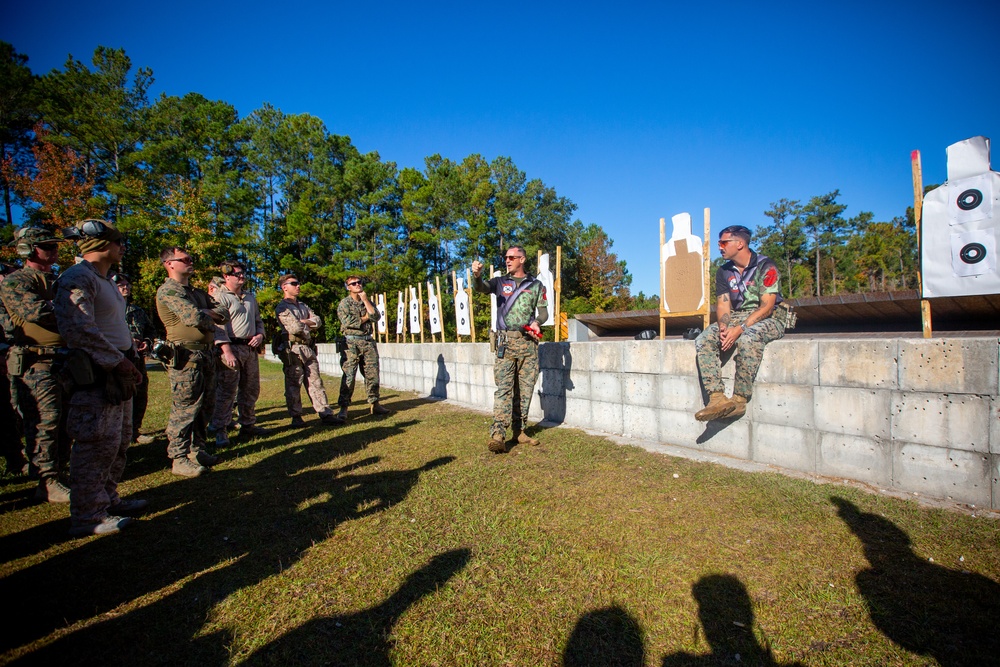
770	277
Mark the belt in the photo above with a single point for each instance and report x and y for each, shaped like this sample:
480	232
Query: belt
195	347
40	350
514	333
365	337
239	341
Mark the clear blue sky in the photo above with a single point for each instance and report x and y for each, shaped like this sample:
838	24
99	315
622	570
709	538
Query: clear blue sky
635	111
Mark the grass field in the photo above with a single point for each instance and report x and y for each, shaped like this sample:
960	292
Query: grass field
401	540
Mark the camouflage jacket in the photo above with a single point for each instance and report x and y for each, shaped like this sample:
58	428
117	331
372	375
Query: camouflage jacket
27	296
181	307
139	323
350	312
290	315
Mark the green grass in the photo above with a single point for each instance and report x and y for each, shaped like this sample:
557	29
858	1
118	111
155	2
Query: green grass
402	540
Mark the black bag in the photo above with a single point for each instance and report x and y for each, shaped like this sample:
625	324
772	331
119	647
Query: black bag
279	343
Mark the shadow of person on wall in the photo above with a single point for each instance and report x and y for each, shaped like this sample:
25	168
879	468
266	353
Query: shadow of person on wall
556	361
926	608
608	637
726	615
365	637
441	380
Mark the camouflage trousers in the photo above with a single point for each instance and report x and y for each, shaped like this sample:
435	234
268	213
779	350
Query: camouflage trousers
240	385
192	396
39	398
101	434
363	353
515	377
140	400
749	350
301	364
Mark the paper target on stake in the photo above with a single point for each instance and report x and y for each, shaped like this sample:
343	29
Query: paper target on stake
546	278
973	254
432	309
380	307
400	314
462	323
971	199
414	311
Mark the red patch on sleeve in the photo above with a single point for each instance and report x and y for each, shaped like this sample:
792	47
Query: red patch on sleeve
544	298
770	277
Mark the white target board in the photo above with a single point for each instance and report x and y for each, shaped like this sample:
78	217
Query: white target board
400	314
959	230
380	307
545	276
493	306
682	286
432	309
414	311
463	323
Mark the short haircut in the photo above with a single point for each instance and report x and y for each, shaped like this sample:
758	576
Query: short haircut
168	253
353	277
739	231
285	278
520	248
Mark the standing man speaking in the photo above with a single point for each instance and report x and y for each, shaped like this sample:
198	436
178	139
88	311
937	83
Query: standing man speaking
518	294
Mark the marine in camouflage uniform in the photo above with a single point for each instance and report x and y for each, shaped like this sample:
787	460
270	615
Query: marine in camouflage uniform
357	315
11	447
748	318
36	392
299	360
91	316
519	295
189	316
143	332
239	368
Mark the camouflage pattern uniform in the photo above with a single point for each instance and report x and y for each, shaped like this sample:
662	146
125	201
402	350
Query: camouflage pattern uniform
760	277
240	385
192	384
11	447
91	316
141	328
36	393
361	350
300	361
517	371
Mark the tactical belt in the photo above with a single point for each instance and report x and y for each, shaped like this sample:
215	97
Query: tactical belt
194	347
365	337
298	340
40	351
239	341
514	333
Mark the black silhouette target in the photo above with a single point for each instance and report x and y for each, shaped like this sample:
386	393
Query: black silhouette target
969	200
972	253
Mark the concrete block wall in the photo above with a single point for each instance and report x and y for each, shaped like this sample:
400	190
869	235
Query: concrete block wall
914	415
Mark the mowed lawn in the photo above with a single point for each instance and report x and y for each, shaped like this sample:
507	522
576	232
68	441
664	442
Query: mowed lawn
401	540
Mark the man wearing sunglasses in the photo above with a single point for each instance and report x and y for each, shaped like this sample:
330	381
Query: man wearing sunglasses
239	369
357	314
519	296
102	361
189	316
300	362
748	317
37	394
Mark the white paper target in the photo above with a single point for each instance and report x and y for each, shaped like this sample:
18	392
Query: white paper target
414	311
545	275
400	314
380	307
463	324
959	232
432	309
493	307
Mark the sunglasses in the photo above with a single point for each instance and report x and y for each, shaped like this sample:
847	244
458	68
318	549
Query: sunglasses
510	257
293	283
239	275
47	246
182	260
353	283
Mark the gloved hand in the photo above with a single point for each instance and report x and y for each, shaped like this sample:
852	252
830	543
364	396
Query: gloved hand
121	382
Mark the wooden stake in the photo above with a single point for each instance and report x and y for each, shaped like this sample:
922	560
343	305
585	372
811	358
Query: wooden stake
707	319
918	208
663	277
558	292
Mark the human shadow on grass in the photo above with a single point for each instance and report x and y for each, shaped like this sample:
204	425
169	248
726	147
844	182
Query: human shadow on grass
929	609
364	637
608	637
727	621
222	532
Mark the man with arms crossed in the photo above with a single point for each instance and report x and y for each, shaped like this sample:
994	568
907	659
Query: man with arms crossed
519	294
357	314
748	292
239	369
189	316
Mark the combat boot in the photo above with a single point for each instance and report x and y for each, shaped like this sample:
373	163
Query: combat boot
221	438
525	439
145	439
51	490
342	413
497	444
718	407
253	431
203	458
185	467
331	419
377	409
297	422
739	407
106	526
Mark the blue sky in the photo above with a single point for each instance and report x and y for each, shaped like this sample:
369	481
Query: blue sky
635	111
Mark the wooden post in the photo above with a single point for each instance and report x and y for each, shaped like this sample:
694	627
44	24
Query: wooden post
468	289
663	278
918	209
557	288
707	319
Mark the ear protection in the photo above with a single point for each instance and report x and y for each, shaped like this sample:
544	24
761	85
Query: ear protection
24	244
91	228
229	268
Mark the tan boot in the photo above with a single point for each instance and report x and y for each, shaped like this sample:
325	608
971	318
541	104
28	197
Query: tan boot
497	444
525	439
718	407
739	409
377	409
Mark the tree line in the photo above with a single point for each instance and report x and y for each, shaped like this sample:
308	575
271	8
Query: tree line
282	193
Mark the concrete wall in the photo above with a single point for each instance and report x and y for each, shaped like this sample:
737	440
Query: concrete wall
912	415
